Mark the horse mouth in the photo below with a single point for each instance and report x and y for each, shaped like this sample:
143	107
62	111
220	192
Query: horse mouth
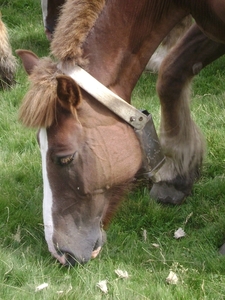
68	259
98	246
95	252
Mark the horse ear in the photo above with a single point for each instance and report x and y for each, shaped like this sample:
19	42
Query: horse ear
29	59
68	92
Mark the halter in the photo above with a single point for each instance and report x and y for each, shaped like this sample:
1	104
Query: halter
142	123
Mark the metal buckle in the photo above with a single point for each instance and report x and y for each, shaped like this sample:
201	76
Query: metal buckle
153	157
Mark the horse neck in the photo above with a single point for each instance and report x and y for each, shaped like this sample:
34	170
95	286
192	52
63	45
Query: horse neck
122	41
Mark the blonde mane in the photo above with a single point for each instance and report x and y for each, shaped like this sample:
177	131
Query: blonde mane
76	20
39	104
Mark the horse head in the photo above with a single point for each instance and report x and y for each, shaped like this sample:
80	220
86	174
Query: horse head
86	160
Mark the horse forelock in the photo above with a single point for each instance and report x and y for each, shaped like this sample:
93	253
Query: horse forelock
76	20
39	104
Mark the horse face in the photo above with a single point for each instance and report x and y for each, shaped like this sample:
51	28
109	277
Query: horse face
84	174
88	158
75	197
85	166
72	206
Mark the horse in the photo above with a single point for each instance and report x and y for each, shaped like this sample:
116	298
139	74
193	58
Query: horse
90	151
51	11
8	62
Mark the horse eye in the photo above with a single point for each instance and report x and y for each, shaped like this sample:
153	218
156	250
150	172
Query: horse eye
64	160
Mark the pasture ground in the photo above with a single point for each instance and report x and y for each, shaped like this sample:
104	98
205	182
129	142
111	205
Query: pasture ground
139	225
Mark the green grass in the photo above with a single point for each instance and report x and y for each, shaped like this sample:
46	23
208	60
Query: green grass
25	261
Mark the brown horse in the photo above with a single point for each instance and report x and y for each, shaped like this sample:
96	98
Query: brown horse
51	11
89	154
7	60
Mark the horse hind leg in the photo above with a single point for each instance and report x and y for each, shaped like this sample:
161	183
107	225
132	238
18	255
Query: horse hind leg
7	60
181	139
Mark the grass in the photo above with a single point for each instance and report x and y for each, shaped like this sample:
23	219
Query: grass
25	262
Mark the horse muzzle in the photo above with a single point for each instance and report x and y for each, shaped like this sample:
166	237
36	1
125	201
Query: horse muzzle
79	255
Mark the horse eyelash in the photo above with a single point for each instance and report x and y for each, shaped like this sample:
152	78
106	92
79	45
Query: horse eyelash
65	160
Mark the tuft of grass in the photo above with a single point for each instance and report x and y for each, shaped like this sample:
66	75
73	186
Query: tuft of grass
140	238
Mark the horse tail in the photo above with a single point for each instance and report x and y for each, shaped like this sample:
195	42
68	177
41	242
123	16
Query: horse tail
8	62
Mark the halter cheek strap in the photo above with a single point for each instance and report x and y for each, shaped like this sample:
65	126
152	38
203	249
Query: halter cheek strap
109	99
143	125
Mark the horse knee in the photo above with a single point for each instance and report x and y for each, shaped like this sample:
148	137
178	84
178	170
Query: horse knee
169	85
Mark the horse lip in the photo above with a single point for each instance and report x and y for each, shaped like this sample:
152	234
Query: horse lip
68	259
61	257
98	246
96	252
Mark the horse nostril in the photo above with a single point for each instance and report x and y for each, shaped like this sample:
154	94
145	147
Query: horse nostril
66	258
70	260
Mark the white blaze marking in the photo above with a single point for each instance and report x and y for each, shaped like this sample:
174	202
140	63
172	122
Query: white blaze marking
48	199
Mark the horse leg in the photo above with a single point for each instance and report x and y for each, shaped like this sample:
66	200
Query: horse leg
168	42
180	138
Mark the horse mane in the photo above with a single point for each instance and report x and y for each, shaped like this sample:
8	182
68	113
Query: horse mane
39	104
38	108
75	21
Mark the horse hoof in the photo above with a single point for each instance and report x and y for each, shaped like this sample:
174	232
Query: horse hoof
222	249
166	194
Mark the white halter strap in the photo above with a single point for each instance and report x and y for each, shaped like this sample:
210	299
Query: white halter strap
104	95
144	127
